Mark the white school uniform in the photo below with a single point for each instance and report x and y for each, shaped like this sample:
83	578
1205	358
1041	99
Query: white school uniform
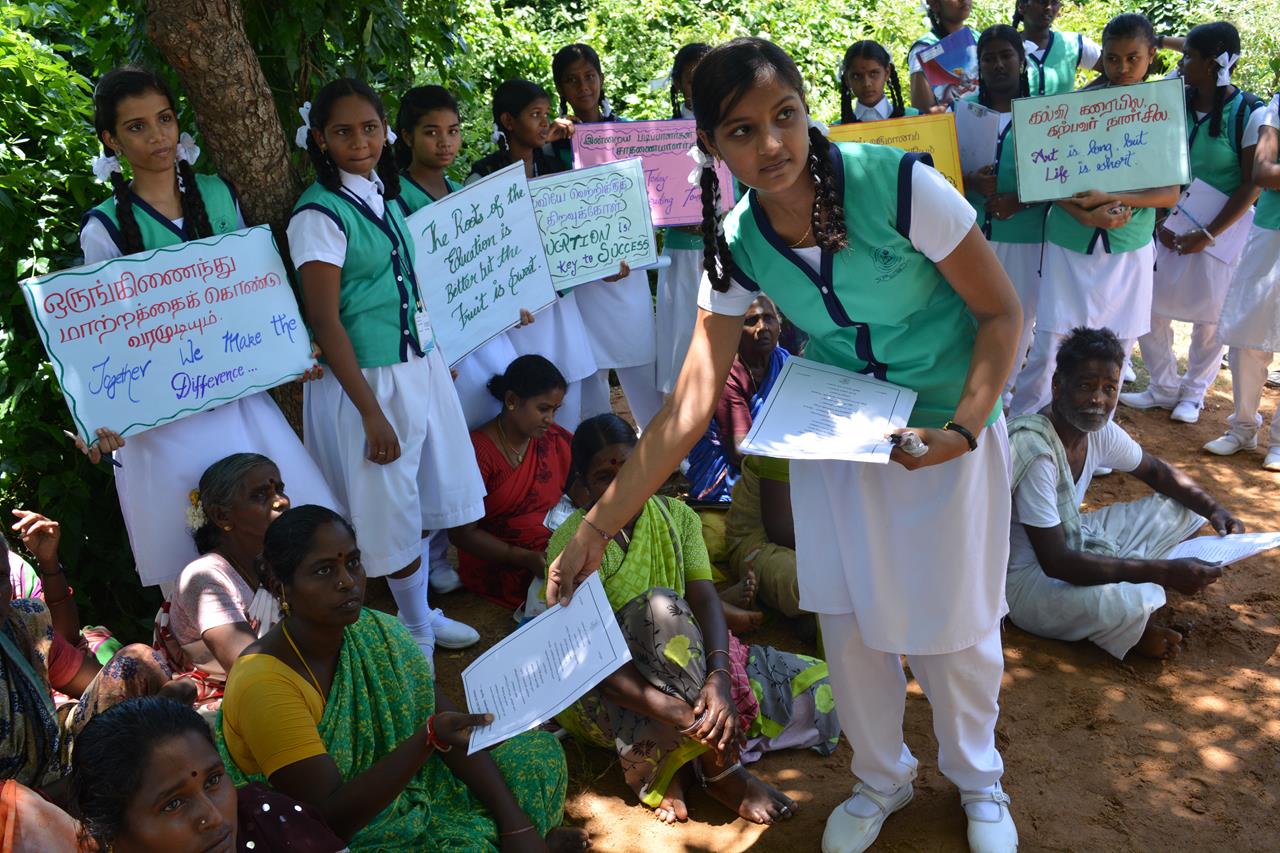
620	327
677	312
161	466
1250	325
881	111
434	484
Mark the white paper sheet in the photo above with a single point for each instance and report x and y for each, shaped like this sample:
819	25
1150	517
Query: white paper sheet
1198	206
816	411
545	666
1226	549
977	130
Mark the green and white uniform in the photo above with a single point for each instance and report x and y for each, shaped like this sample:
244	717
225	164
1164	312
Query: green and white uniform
1052	70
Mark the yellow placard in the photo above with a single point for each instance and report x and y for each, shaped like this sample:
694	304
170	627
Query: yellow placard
931	134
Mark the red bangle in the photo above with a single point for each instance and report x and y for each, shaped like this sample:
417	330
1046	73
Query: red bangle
432	739
70	593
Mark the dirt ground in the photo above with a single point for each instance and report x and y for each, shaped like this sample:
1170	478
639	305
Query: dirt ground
1100	755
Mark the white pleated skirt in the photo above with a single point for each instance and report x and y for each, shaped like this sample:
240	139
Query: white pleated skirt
475	371
619	320
558	334
676	313
1098	290
1251	309
1189	288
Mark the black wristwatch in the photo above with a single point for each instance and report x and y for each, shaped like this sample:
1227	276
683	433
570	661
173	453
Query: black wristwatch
968	436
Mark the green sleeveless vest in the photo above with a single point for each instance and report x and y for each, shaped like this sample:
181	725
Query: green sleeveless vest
1215	159
156	229
879	307
1025	226
678	238
379	292
1056	72
1267	213
413	197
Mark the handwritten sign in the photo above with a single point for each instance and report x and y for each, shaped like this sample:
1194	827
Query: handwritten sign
146	339
931	134
1113	139
593	218
663	148
480	260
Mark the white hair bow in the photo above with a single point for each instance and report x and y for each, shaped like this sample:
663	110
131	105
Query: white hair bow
300	137
391	136
1226	61
606	108
822	128
703	161
498	134
187	149
105	165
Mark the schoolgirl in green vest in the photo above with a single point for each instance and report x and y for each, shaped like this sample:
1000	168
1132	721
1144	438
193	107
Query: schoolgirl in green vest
1190	282
1099	255
677	299
1015	230
869	87
1053	57
165	203
945	17
1250	322
617	311
384	423
873	254
429	134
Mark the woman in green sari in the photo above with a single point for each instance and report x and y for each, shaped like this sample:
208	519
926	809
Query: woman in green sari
693	704
336	707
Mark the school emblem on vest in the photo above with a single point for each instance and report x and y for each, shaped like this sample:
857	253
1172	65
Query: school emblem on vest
887	262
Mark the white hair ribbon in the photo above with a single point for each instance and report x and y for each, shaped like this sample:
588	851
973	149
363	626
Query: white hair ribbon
498	134
657	84
105	165
686	111
606	108
1226	61
300	137
822	128
187	149
703	161
391	136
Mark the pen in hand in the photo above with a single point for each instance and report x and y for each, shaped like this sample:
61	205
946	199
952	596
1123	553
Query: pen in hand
107	456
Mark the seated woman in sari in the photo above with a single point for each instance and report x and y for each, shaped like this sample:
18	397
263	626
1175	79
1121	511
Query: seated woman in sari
715	461
146	778
693	703
336	708
524	459
34	661
219	604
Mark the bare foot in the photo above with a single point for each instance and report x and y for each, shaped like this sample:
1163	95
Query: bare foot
752	798
568	839
1158	642
673	808
741	621
743	593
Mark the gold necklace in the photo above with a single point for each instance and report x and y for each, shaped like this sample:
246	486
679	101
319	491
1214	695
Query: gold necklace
804	237
507	445
294	646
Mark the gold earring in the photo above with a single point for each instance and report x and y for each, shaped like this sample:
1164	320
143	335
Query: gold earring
227	528
284	606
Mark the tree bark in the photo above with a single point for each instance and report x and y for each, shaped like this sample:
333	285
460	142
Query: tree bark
206	44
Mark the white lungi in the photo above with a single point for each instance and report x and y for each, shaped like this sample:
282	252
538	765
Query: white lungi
161	466
434	484
677	312
1021	261
1112	615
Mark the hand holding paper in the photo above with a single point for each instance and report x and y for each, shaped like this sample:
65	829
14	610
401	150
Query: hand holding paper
1226	549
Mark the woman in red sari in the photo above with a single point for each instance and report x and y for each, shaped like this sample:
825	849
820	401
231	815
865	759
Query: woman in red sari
524	459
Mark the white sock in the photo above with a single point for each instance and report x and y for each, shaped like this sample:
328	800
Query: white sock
983	810
435	549
415	611
863	806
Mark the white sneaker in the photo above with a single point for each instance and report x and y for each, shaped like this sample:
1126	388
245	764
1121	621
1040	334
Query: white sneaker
452	634
848	833
444	578
991	836
1232	442
1187	412
1146	400
1127	374
1272	462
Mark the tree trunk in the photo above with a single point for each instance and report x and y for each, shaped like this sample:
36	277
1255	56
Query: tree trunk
206	44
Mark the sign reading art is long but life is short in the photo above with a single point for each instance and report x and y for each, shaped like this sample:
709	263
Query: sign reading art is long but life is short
934	135
663	148
146	339
593	218
479	260
1113	139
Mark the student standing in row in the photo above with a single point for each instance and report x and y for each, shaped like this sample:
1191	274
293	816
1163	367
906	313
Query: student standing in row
945	17
869	87
1190	283
166	203
877	257
1053	57
384	423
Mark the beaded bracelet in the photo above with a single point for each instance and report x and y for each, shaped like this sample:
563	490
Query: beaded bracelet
433	740
605	536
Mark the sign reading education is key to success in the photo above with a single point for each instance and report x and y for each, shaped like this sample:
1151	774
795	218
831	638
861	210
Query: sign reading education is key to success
663	149
593	218
934	135
479	260
146	339
1112	139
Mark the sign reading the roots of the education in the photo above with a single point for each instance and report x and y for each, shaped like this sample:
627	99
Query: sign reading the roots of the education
480	260
146	339
932	134
1111	139
593	218
663	148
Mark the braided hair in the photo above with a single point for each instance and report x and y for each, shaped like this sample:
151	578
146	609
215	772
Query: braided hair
867	49
722	78
688	55
1005	33
127	82
511	98
1210	41
935	23
416	103
328	175
568	55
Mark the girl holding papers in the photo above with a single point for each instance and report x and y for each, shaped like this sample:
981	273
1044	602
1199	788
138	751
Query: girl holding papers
878	258
165	204
1191	279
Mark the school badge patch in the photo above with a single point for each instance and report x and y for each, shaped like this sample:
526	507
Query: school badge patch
888	262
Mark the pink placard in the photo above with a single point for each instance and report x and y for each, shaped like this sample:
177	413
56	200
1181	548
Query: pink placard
663	147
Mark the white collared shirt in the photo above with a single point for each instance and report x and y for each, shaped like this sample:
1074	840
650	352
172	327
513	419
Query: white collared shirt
882	110
313	236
